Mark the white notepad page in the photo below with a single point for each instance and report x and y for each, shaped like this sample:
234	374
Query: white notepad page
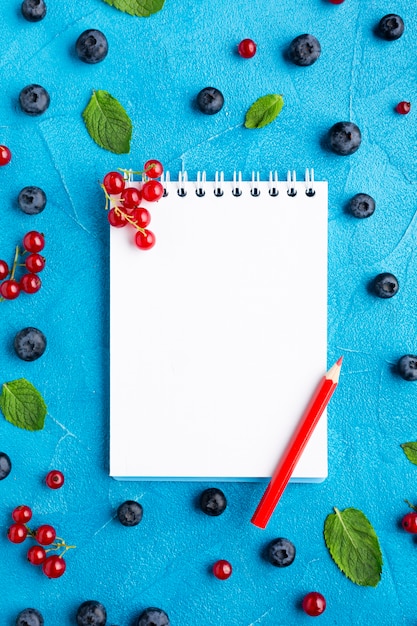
219	334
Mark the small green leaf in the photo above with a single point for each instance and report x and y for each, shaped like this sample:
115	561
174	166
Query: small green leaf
354	546
410	451
22	405
264	111
140	8
108	123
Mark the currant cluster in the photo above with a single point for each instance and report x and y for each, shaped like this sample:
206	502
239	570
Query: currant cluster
27	257
53	565
123	200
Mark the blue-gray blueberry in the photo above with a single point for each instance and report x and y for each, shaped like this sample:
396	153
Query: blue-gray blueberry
33	10
385	285
29	617
362	205
130	513
34	100
210	100
407	367
390	27
92	46
344	138
304	50
5	465
29	343
153	617
213	501
281	552
91	613
32	200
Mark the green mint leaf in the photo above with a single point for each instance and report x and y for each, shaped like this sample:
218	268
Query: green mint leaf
410	451
264	111
22	405
108	123
140	8
354	546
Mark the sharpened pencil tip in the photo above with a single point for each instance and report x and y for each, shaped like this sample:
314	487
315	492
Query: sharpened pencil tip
339	361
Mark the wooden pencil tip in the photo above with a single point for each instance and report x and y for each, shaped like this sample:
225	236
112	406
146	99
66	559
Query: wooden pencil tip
339	361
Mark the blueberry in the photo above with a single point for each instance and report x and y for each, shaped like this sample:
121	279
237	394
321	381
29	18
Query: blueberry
33	10
29	617
210	100
304	50
213	501
91	46
130	513
34	100
29	344
385	285
5	465
344	138
32	200
362	205
281	552
407	367
153	617
390	27
91	613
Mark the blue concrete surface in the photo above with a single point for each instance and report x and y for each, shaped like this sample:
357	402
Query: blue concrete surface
155	67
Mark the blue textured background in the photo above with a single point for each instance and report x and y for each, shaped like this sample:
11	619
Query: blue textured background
155	67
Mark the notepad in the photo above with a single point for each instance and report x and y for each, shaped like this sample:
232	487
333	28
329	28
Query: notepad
218	334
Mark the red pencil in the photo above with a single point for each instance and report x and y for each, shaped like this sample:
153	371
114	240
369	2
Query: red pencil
297	444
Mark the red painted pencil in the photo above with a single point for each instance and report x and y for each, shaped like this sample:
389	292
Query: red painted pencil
297	444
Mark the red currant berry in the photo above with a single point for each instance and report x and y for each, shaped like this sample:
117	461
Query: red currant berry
54	566
145	241
153	168
45	534
36	555
30	283
314	603
35	262
131	198
54	479
409	522
4	269
22	514
336	1
141	216
152	190
9	289
247	48
17	533
222	569
5	155
403	107
117	218
33	241
114	183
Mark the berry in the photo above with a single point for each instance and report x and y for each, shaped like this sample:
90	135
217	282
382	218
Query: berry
362	205
114	183
17	533
390	27
55	479
247	48
131	198
45	534
5	465
130	513
344	138
385	285
222	569
4	269
29	617
336	1
153	617
34	100
141	216
91	613
407	367
32	200
213	502
54	566
281	552
33	10
146	240
153	168
117	218
22	514
314	603
33	241
91	46
210	100
304	50
5	155
36	555
9	289
152	190
30	283
409	522
35	262
29	343
403	107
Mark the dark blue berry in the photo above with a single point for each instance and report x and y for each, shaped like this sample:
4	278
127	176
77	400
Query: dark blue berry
33	10
92	46
153	617
29	344
407	367
344	138
34	100
304	50
130	513
390	27
213	501
385	285
91	613
5	465
362	205
281	552
32	200
29	617
210	100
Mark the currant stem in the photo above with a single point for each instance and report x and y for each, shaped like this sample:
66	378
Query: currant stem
411	505
14	266
110	204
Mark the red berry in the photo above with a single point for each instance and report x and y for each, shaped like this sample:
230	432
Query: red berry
222	569
247	48
314	603
141	216
22	514
114	183
131	198
17	533
35	262
5	155
30	283
117	218
36	555
403	107
152	190
54	566
9	289
45	534
54	479
336	1
409	522
153	168
33	241
4	269
145	241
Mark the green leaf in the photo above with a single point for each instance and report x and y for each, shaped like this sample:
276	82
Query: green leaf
410	451
264	111
108	123
140	8
22	405
354	546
